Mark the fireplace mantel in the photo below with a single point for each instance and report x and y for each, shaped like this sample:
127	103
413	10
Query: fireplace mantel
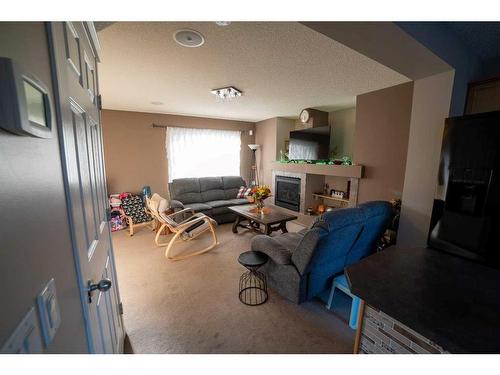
313	180
349	171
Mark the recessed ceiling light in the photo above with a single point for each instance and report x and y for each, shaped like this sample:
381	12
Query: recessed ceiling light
223	23
189	38
157	103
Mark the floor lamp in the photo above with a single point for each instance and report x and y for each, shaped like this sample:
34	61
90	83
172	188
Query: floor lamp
254	172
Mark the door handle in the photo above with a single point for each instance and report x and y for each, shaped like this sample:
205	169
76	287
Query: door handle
104	285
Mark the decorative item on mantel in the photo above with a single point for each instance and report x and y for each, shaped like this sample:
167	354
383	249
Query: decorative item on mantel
345	160
259	194
284	157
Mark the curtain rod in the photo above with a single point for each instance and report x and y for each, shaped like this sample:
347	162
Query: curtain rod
173	126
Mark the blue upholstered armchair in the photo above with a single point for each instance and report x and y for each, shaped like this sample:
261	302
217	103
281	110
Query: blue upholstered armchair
302	265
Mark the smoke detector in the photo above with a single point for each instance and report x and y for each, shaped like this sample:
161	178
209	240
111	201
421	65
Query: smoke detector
189	38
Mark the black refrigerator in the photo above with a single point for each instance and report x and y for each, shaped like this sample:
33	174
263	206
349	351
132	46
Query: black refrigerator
466	213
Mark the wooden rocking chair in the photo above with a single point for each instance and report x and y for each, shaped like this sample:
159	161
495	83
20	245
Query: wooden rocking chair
186	230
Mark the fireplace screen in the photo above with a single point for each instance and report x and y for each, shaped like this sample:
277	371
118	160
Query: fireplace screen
287	193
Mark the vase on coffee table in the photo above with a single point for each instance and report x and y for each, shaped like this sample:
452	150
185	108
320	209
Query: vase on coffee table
259	203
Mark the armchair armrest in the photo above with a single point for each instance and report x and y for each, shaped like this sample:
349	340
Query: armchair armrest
272	248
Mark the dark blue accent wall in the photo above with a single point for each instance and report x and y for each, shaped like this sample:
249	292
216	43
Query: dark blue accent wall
443	42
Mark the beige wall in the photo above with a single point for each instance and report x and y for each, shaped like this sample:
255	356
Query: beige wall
431	105
266	137
342	123
135	152
271	134
381	141
283	128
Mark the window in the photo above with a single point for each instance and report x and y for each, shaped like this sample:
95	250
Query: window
202	152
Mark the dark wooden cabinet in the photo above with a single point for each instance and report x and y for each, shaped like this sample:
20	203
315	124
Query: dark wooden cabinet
483	96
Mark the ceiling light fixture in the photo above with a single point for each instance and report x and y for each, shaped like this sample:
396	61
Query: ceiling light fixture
226	93
189	38
223	23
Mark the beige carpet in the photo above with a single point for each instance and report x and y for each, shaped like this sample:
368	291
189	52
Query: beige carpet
192	305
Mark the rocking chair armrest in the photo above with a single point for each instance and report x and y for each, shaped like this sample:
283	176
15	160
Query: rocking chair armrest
199	214
185	225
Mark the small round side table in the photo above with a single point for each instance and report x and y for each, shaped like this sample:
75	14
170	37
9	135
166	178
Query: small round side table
253	283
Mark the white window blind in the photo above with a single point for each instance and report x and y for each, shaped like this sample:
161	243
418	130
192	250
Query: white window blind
202	152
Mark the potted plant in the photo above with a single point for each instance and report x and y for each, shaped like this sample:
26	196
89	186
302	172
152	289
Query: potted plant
259	194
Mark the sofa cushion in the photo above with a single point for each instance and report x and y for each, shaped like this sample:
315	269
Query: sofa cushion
213	195
230	193
215	204
211	189
211	183
232	185
237	201
186	190
199	207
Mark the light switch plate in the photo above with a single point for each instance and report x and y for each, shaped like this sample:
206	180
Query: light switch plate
27	338
49	313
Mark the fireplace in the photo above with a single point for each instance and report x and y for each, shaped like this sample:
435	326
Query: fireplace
287	192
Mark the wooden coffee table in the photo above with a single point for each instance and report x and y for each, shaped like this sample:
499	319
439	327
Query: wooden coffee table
272	219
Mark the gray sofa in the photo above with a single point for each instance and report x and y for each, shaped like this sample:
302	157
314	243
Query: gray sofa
209	195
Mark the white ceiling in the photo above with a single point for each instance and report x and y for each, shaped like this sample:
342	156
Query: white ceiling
281	67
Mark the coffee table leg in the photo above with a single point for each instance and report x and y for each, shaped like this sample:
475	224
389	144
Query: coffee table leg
283	227
236	223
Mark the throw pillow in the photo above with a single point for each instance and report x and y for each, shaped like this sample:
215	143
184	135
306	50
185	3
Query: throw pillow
242	193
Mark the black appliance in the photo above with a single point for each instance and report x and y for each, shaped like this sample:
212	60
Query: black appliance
310	144
466	214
